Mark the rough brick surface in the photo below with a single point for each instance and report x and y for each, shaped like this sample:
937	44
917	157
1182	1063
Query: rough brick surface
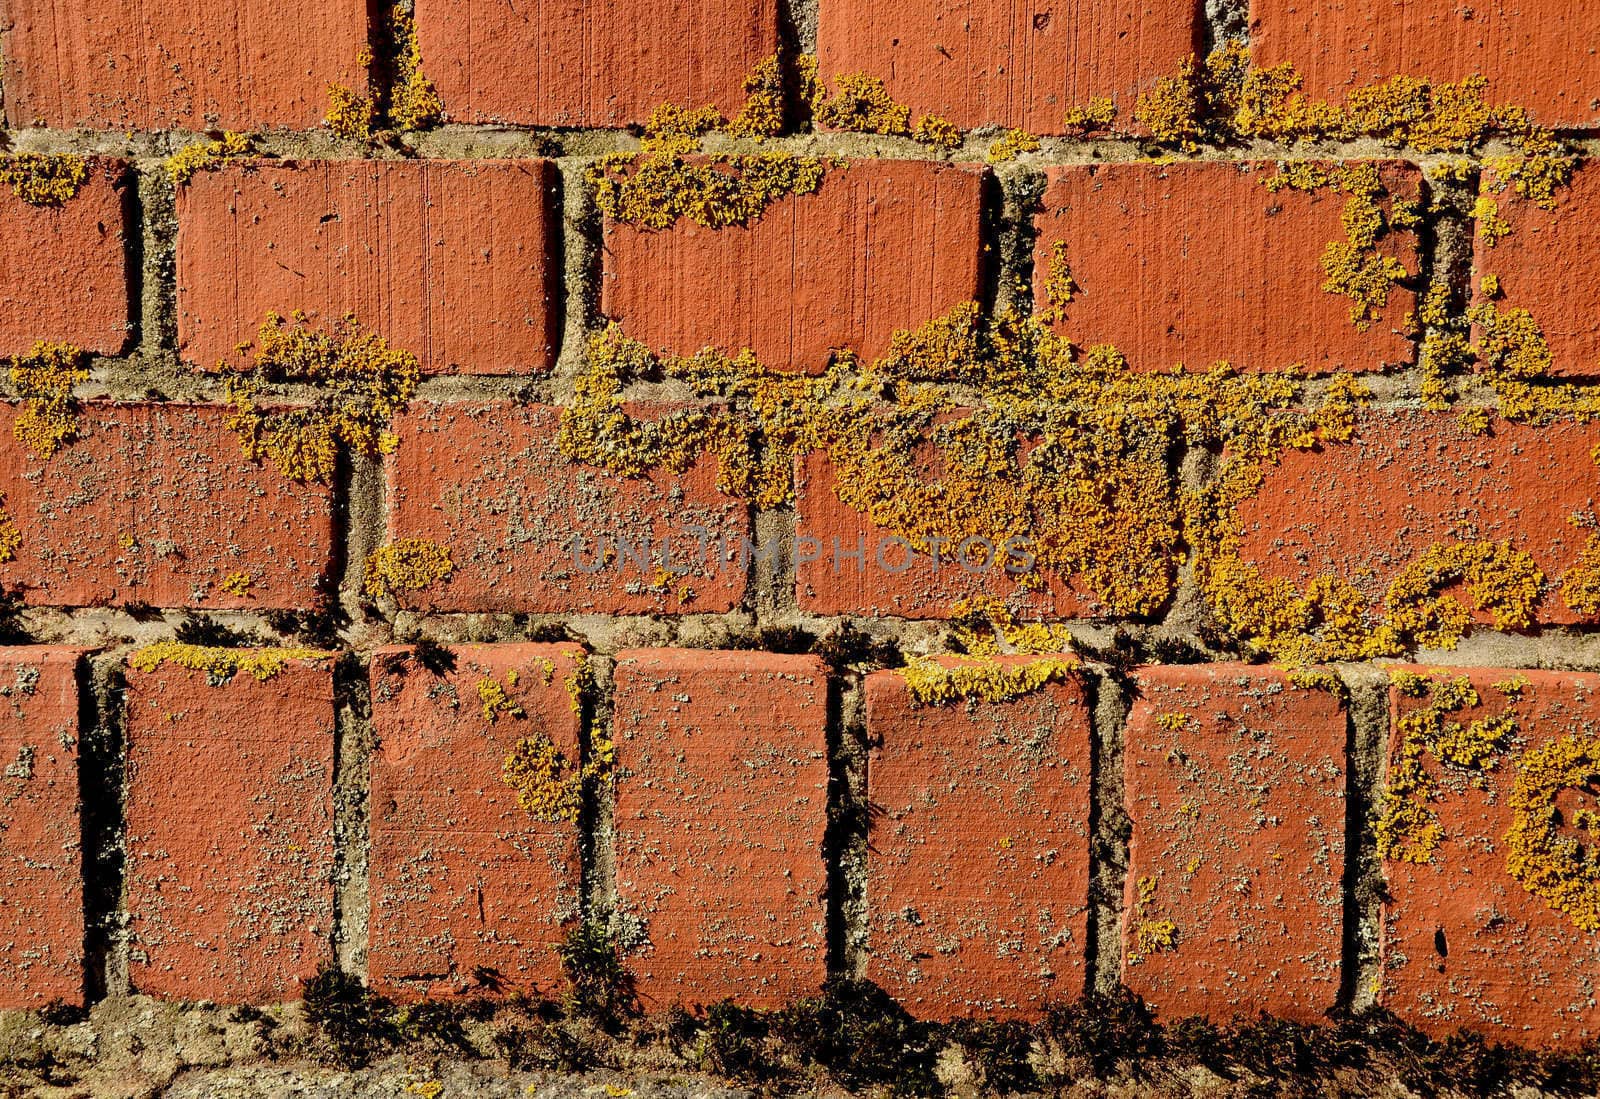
720	818
978	867
1410	480
857	567
587	65
230	832
1236	788
122	65
41	924
1007	63
469	891
1548	265
70	282
490	483
1538	54
452	260
881	246
1464	943
155	504
1198	263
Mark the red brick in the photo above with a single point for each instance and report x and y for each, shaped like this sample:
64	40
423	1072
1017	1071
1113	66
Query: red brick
465	883
1548	266
720	819
154	503
1538	54
978	870
1008	64
452	260
1239	823
230	831
41	931
1465	945
881	246
833	582
1363	512
490	483
1198	263
122	65
587	65
70	283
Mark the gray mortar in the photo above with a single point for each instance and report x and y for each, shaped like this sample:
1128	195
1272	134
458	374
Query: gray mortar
1367	711
1110	829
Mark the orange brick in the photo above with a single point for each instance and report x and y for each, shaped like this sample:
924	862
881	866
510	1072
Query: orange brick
1236	789
1198	263
887	580
720	818
978	869
122	65
452	260
587	65
490	483
1004	63
70	283
469	891
1363	512
154	503
881	246
1549	266
41	933
1539	54
1465	944
230	832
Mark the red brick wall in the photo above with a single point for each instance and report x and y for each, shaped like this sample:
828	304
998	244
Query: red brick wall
305	740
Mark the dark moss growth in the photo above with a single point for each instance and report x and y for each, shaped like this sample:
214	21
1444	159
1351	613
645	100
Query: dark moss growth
350	1020
999	1053
436	658
202	629
848	647
863	1038
1104	1030
549	633
728	1040
598	985
550	1043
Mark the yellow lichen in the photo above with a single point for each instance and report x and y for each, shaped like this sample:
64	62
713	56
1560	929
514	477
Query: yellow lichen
44	179
933	683
1150	936
359	383
1500	580
1013	143
938	132
414	102
653	190
1580	587
548	787
1099	114
350	116
237	584
763	110
222	664
1174	721
406	564
208	155
44	379
862	104
1560	868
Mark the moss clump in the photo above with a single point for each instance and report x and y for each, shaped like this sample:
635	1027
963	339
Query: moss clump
359	381
406	565
1012	144
208	156
1560	868
221	664
44	179
44	378
598	984
414	102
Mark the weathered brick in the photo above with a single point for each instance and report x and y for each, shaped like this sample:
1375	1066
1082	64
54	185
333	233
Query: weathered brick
1410	480
1197	263
1538	54
124	65
70	282
452	260
588	65
885	580
1008	64
883	245
720	818
1466	944
1548	266
490	483
41	932
469	890
230	831
1236	789
978	864
155	504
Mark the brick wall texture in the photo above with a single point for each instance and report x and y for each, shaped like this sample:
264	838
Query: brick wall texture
1000	500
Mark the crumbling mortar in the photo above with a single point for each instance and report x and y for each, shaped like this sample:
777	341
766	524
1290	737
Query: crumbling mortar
103	793
1367	737
846	844
353	743
597	821
1108	692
